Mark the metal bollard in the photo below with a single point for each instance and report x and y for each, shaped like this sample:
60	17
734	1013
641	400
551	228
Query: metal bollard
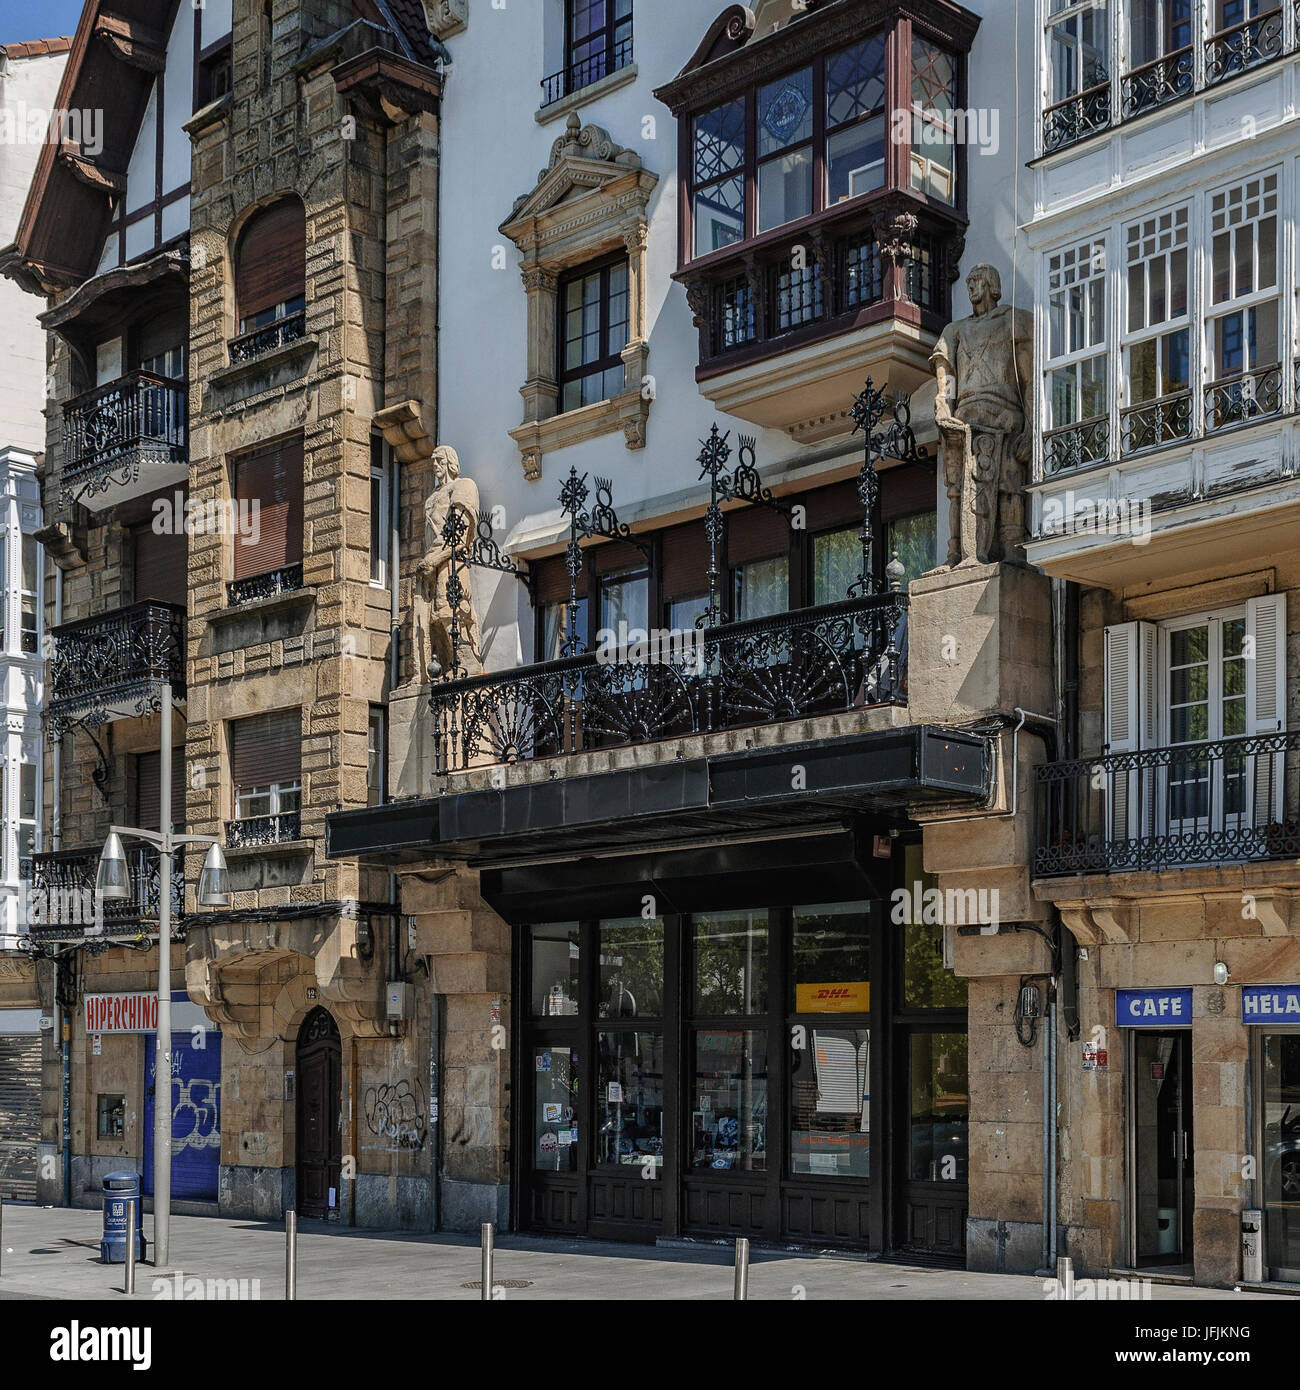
128	1283
742	1269
1065	1277
291	1255
487	1260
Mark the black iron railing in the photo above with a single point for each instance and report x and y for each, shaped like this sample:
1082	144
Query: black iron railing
1230	801
116	662
62	891
1152	423
1077	116
836	657
591	69
1243	46
1236	400
273	335
286	580
1074	446
849	263
1153	84
264	830
110	433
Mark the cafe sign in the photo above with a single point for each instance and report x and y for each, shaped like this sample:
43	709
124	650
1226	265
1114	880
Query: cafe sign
120	1013
1153	1008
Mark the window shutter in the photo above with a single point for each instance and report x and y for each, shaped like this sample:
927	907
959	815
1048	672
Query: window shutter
271	259
686	561
148	768
830	508
161	566
266	748
756	533
617	555
1131	717
271	479
1266	699
553	580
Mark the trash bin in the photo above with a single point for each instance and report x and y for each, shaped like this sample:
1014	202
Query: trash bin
118	1187
1166	1230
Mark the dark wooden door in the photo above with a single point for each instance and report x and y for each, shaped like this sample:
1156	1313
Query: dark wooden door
320	1112
931	1138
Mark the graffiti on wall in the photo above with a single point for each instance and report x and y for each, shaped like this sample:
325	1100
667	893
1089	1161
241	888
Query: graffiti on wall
197	1105
398	1111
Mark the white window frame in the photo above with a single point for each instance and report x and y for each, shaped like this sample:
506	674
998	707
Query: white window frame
381	563
1234	304
1073	358
274	792
1052	21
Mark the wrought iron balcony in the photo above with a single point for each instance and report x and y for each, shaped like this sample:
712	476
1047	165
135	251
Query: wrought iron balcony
1076	445
825	660
65	881
111	666
118	437
1077	116
1243	46
272	335
579	75
1237	400
1155	83
286	580
857	267
1231	801
264	830
1152	423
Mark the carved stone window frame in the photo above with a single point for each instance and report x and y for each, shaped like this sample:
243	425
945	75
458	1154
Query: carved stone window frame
590	201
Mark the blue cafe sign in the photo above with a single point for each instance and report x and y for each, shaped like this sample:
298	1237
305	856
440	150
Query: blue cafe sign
1270	1004
1153	1008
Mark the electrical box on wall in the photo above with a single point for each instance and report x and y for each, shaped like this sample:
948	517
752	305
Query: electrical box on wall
397	993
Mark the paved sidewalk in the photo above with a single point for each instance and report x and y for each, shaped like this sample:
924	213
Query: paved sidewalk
52	1252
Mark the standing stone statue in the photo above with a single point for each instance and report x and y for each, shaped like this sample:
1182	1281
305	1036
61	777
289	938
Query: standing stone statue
984	366
431	610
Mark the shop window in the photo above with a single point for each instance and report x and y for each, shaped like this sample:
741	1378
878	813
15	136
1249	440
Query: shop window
111	1112
729	1125
555	1110
928	983
1280	1166
555	960
271	265
730	954
631	968
630	1098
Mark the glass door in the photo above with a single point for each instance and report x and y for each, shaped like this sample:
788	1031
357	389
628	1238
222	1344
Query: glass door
1160	1121
935	1141
1279	1092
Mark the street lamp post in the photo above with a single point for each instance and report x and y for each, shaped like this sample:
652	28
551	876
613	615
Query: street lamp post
113	881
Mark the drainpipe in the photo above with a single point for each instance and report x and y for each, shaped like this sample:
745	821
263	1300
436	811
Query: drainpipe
1050	1121
352	1130
56	759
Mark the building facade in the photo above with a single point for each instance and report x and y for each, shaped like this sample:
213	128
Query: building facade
1164	242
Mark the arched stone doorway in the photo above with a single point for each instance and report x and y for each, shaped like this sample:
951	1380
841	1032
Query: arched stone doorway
320	1114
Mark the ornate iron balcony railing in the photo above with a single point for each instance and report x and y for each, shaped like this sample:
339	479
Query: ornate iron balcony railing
1236	400
1151	423
1229	801
111	666
1164	79
825	660
1073	446
1243	46
113	431
65	879
273	335
285	580
1077	116
582	74
869	258
264	830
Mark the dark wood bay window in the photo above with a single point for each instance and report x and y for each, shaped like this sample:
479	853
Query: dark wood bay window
822	176
597	42
267	492
593	331
266	778
270	279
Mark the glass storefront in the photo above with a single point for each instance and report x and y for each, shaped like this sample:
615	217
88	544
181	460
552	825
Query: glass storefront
724	1072
1279	1101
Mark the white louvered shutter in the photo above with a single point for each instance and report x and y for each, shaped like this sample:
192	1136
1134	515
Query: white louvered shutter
1266	699
1132	723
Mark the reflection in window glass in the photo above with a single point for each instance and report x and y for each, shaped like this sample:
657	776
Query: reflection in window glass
761	589
784	189
832	959
837	563
719	201
729	1115
555	1110
625	598
555	969
855	160
731	963
940	1107
927	983
630	1098
915	539
632	968
557	628
1280	1053
830	1103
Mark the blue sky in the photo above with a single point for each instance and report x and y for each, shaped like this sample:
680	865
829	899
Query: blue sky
37	19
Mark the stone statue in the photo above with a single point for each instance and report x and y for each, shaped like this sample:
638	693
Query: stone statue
984	365
431	611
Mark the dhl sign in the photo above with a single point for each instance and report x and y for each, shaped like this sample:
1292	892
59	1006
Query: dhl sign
852	997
